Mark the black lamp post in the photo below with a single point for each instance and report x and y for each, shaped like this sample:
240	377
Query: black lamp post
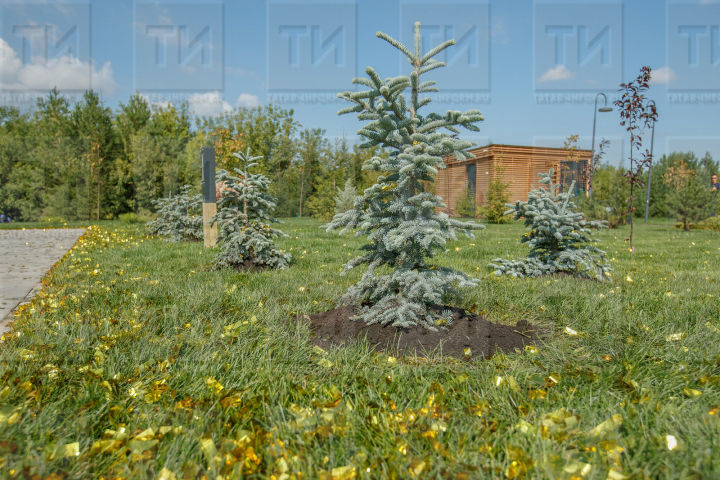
604	108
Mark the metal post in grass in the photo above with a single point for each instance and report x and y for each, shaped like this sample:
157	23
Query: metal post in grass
209	206
602	109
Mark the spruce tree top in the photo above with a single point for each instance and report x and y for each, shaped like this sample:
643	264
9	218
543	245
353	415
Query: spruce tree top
245	196
400	217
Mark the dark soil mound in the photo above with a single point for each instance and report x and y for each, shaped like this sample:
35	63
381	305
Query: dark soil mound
482	337
249	266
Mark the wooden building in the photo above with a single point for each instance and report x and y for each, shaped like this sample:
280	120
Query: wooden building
521	164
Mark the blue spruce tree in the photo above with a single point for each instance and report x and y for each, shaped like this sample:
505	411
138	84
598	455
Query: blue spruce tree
179	217
559	237
401	287
244	218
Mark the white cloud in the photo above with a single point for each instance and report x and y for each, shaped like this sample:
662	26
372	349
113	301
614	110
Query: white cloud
64	73
556	74
662	76
154	102
208	104
247	100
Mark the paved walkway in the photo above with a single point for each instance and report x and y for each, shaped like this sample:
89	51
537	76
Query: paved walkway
25	257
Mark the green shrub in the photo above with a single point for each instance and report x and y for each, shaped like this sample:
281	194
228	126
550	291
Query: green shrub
130	217
52	219
688	199
609	197
712	223
498	197
321	204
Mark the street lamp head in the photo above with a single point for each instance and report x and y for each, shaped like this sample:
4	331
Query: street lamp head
605	109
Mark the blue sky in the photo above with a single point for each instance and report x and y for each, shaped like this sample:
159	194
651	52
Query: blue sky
532	67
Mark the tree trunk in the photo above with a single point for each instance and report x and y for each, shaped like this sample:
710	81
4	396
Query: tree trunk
632	200
302	185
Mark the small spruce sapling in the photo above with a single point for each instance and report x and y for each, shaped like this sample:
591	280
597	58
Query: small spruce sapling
688	199
179	217
559	237
322	203
400	287
345	199
497	198
244	215
465	205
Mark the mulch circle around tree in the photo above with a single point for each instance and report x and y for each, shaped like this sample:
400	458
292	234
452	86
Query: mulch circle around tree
483	338
249	266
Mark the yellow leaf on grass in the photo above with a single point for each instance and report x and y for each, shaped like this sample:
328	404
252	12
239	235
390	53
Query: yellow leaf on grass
615	475
558	423
536	393
571	332
165	474
691	392
523	426
606	427
417	467
577	468
346	472
516	469
324	362
214	385
233	401
105	446
147	434
9	415
207	446
71	450
140	446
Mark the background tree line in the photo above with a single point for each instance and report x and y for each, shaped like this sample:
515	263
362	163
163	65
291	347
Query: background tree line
83	161
679	188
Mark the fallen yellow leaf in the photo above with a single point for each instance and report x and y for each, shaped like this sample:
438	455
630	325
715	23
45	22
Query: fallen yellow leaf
165	474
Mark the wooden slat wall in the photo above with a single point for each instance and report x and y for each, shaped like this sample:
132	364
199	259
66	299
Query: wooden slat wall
483	174
458	183
441	186
522	165
516	173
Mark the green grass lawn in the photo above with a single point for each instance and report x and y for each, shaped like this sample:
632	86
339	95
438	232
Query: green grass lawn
139	361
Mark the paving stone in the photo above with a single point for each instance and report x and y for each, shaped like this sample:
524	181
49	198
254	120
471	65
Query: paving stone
25	257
